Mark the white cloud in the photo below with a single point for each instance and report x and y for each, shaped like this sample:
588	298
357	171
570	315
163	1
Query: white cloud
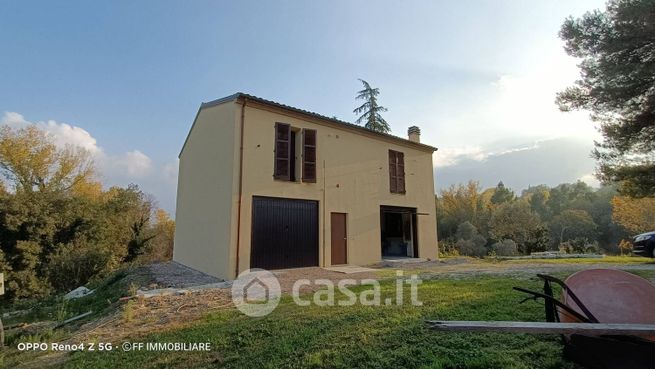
517	107
62	133
447	156
13	119
67	134
590	179
524	104
518	104
450	156
135	163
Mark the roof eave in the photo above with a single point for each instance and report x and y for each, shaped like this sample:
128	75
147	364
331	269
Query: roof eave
241	97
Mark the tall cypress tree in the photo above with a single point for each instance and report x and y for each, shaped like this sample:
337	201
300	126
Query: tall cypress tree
370	109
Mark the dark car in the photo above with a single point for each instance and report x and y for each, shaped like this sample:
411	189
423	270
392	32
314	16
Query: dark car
644	244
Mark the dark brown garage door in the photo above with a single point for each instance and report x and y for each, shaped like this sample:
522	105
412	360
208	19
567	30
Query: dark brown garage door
284	233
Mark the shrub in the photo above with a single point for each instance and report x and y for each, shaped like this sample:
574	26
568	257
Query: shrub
504	248
625	247
448	247
24	281
469	241
471	248
72	265
579	246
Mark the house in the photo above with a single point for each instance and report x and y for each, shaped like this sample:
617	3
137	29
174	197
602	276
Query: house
265	185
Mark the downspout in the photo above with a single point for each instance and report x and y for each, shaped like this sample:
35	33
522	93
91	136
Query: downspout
243	114
324	215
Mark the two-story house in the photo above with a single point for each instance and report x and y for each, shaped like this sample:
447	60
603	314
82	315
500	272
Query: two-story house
266	185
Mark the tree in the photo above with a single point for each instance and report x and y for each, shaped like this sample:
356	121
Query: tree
504	248
514	221
569	196
600	209
370	110
469	241
617	78
58	227
573	224
502	194
538	203
635	215
128	212
161	247
458	204
537	240
30	161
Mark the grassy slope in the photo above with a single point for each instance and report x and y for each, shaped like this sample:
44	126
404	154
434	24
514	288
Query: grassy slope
360	337
55	309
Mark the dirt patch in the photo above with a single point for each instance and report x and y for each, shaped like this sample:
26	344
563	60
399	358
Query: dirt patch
287	277
143	316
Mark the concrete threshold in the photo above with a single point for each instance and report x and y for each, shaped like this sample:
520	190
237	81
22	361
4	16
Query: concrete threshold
348	269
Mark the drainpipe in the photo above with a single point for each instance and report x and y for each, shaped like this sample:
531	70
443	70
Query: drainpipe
243	113
324	215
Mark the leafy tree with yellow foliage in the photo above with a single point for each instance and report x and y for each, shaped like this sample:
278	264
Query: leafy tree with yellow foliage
58	227
30	162
635	215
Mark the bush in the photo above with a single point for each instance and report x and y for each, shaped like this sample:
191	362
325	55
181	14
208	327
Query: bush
579	246
469	241
471	248
24	281
448	247
72	265
504	248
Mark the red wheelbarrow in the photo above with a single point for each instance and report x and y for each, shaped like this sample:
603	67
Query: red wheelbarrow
606	318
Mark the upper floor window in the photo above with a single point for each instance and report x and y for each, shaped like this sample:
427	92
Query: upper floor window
396	171
283	157
285	166
308	155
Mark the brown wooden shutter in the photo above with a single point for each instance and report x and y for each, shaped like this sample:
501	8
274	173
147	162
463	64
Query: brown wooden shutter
309	155
400	172
282	152
392	171
396	172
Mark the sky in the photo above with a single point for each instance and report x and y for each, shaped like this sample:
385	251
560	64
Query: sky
124	79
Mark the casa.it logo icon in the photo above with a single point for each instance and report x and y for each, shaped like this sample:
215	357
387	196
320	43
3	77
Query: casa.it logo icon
256	292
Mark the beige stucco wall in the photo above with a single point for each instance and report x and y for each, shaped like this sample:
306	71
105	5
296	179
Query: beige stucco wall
352	178
205	232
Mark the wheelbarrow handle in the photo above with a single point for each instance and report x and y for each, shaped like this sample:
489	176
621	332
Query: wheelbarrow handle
555	301
569	292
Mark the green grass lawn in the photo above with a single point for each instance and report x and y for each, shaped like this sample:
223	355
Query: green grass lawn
358	336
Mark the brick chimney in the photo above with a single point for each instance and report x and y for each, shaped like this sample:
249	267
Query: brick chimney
414	134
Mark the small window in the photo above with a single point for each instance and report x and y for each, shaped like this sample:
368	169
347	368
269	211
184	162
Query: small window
309	155
282	164
396	172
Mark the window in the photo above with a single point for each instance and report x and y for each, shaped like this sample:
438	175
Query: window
282	167
286	168
396	171
309	155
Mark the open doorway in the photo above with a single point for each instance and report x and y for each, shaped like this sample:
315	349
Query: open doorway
398	231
